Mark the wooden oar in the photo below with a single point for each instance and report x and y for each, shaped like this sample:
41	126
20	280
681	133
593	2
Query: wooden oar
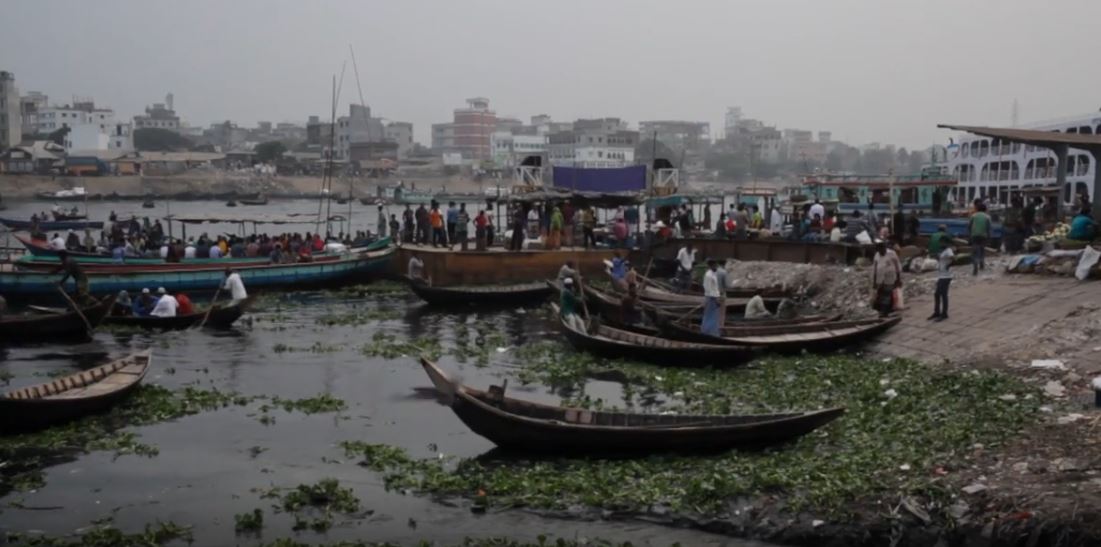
690	312
87	324
211	310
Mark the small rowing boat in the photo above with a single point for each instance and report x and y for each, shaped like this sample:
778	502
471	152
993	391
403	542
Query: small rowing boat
481	295
68	325
816	336
48	225
221	317
522	425
71	397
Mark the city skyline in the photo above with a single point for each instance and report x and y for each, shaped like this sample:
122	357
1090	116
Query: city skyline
832	67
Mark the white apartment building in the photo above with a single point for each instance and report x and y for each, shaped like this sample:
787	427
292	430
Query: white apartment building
600	143
90	128
509	150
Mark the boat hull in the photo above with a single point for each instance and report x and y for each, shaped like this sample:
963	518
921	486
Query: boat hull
222	317
526	294
63	326
51	224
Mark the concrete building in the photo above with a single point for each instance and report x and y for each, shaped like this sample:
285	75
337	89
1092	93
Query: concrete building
595	143
443	138
11	118
473	126
357	127
318	133
732	120
510	148
160	116
29	106
687	138
90	127
402	134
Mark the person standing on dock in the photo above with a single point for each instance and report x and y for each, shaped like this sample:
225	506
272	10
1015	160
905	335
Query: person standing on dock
711	305
382	224
741	222
588	227
886	277
568	217
395	229
554	233
421	217
480	223
720	227
979	228
944	280
518	218
435	221
407	224
462	223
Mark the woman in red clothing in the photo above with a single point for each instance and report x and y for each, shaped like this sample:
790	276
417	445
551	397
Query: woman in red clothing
184	305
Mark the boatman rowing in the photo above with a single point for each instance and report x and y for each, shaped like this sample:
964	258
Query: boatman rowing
72	269
235	286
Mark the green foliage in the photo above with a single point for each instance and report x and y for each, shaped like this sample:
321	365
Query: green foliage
270	151
884	446
108	536
313	505
249	523
158	139
312	405
389	346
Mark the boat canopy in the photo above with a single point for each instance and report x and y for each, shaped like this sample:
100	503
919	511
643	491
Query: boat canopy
675	200
286	218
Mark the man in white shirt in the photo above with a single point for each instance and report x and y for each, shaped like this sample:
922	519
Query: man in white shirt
189	251
234	285
886	277
711	295
776	222
817	209
686	256
57	243
416	268
164	250
166	304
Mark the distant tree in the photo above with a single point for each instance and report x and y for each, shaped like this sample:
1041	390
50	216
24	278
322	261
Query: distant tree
157	139
58	137
270	151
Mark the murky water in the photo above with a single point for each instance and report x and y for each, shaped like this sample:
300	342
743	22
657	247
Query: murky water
205	474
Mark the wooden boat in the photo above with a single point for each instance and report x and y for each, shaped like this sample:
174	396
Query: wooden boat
48	225
521	425
41	257
481	295
148	204
821	336
320	273
221	317
71	397
259	200
655	294
231	203
68	325
615	343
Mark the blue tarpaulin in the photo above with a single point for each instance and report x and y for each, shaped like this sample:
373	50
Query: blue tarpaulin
621	179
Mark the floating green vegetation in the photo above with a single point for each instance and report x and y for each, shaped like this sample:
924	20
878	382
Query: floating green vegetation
361	317
316	347
6	377
313	505
249	523
109	536
311	405
389	346
542	541
903	421
477	344
378	287
26	454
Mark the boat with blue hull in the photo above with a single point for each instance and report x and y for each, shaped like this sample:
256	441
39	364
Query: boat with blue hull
351	268
47	225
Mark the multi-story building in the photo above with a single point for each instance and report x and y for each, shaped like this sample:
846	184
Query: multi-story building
159	116
318	133
687	138
473	126
89	127
510	148
29	106
604	142
402	134
733	120
357	127
443	138
11	118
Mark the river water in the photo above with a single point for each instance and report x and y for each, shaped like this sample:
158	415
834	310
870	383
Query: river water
205	474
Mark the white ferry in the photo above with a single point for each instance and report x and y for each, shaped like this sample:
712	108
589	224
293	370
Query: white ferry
996	170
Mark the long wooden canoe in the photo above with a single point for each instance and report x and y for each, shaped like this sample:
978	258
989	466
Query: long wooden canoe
221	317
48	327
821	336
71	397
47	225
481	295
353	267
615	343
522	425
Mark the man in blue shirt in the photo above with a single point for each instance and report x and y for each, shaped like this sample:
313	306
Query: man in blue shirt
1083	227
452	220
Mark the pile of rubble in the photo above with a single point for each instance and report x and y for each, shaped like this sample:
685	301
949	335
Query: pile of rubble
845	289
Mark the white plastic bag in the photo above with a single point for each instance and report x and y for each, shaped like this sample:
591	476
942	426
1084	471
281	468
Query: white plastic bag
1089	258
863	238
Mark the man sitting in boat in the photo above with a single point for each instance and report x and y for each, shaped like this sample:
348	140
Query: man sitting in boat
185	307
755	308
235	285
57	243
144	304
568	304
166	304
567	271
123	305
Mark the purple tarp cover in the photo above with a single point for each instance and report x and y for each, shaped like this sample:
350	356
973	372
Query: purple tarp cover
618	179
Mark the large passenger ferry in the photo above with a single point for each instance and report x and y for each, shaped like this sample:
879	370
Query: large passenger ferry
996	170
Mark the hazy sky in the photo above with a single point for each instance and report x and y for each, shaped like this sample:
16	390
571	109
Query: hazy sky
872	70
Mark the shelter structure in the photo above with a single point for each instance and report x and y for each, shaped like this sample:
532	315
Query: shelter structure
1055	141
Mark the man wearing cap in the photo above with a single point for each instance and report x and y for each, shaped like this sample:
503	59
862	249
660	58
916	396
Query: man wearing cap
144	304
166	304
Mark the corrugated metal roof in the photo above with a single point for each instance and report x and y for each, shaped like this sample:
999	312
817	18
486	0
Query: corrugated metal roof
1032	136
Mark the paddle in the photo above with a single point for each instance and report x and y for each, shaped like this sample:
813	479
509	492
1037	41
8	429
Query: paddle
212	301
87	324
690	312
